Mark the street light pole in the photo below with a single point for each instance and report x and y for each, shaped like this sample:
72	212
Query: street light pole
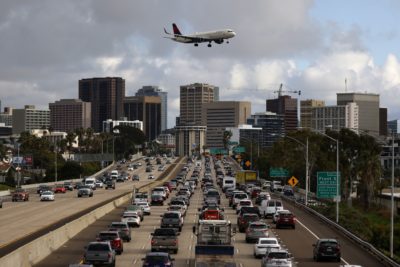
392	200
55	163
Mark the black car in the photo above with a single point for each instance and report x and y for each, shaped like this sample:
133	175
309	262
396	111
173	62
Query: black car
157	200
135	177
109	183
160	259
326	249
42	188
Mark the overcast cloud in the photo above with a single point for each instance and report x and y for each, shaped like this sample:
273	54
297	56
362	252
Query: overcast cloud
47	46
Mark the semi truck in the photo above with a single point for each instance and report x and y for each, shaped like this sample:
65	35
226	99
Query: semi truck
214	246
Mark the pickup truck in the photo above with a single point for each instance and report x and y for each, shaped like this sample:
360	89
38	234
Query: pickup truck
165	239
20	194
172	219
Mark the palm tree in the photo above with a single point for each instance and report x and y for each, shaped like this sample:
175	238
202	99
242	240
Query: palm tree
71	140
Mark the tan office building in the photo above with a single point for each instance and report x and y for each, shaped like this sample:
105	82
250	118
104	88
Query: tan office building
306	111
66	115
218	116
30	118
192	98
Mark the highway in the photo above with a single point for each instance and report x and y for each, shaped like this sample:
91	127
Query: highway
298	241
19	220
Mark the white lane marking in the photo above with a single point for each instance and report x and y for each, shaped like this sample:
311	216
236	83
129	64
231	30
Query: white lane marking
313	234
187	262
237	251
190	247
241	264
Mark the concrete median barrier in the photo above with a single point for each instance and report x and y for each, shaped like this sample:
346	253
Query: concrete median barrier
35	251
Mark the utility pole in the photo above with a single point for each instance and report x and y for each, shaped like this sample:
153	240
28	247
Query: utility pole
55	163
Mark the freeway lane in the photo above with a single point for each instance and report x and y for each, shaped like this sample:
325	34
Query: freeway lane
300	241
19	220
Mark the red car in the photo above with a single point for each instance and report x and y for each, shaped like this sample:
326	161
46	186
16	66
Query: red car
59	188
168	184
114	238
286	219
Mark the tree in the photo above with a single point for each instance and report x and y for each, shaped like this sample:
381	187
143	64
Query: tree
226	137
126	138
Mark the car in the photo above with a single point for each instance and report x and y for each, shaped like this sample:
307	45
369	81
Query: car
172	219
99	184
151	176
149	169
243	203
123	229
160	190
59	188
286	219
99	253
120	179
145	206
85	191
264	244
20	194
130	168
109	183
136	208
135	177
179	208
78	185
69	186
277	257
326	248
269	207
244	220
256	230
276	215
41	188
159	259
47	196
165	239
237	197
157	200
132	218
113	237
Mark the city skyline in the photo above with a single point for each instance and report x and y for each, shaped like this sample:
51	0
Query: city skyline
312	46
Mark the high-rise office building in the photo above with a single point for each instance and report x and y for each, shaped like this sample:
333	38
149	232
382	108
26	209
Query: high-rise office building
217	116
368	109
106	96
146	109
66	115
30	118
393	127
383	126
156	91
272	127
286	106
335	117
306	111
6	116
192	98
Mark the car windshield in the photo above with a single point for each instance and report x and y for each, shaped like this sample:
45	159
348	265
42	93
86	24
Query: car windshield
107	236
130	216
47	193
212	193
118	225
89	182
245	203
278	255
156	259
240	196
329	244
98	247
251	217
171	215
258	226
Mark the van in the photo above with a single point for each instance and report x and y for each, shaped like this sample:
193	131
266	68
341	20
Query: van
269	207
91	182
228	182
114	172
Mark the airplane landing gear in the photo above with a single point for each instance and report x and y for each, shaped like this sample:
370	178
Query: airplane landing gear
227	42
209	45
196	44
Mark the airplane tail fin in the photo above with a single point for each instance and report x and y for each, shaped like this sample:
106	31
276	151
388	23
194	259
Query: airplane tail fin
176	30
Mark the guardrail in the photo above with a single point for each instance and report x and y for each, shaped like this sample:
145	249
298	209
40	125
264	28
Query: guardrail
36	250
378	254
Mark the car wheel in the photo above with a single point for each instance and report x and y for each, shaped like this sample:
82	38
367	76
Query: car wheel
247	241
176	251
338	259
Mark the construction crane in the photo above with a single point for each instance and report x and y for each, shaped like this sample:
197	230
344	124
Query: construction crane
280	91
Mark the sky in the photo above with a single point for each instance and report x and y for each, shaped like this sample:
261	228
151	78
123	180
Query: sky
310	46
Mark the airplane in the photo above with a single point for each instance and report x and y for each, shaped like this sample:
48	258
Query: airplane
200	37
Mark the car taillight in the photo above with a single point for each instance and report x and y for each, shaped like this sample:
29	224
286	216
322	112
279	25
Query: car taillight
109	255
153	242
176	242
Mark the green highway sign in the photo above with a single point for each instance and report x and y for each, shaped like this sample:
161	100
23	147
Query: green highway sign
218	151
233	143
327	184
278	172
239	149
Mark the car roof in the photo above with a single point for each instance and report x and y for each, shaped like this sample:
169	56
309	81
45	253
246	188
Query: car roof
328	240
157	254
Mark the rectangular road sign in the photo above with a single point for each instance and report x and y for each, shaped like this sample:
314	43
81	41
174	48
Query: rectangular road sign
327	184
239	149
278	172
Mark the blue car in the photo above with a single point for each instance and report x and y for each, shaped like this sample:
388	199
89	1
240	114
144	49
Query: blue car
159	259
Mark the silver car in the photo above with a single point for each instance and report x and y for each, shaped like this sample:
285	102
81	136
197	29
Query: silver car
85	191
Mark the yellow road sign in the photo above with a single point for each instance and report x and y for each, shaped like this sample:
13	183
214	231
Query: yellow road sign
293	181
248	163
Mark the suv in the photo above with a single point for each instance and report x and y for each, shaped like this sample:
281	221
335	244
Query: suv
286	218
85	191
237	197
99	252
256	230
326	248
123	229
172	219
20	194
114	239
277	257
109	183
165	239
244	220
158	259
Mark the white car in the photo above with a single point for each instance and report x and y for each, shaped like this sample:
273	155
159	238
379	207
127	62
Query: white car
145	206
277	257
243	203
47	196
130	168
264	244
276	215
99	184
179	208
131	218
151	176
